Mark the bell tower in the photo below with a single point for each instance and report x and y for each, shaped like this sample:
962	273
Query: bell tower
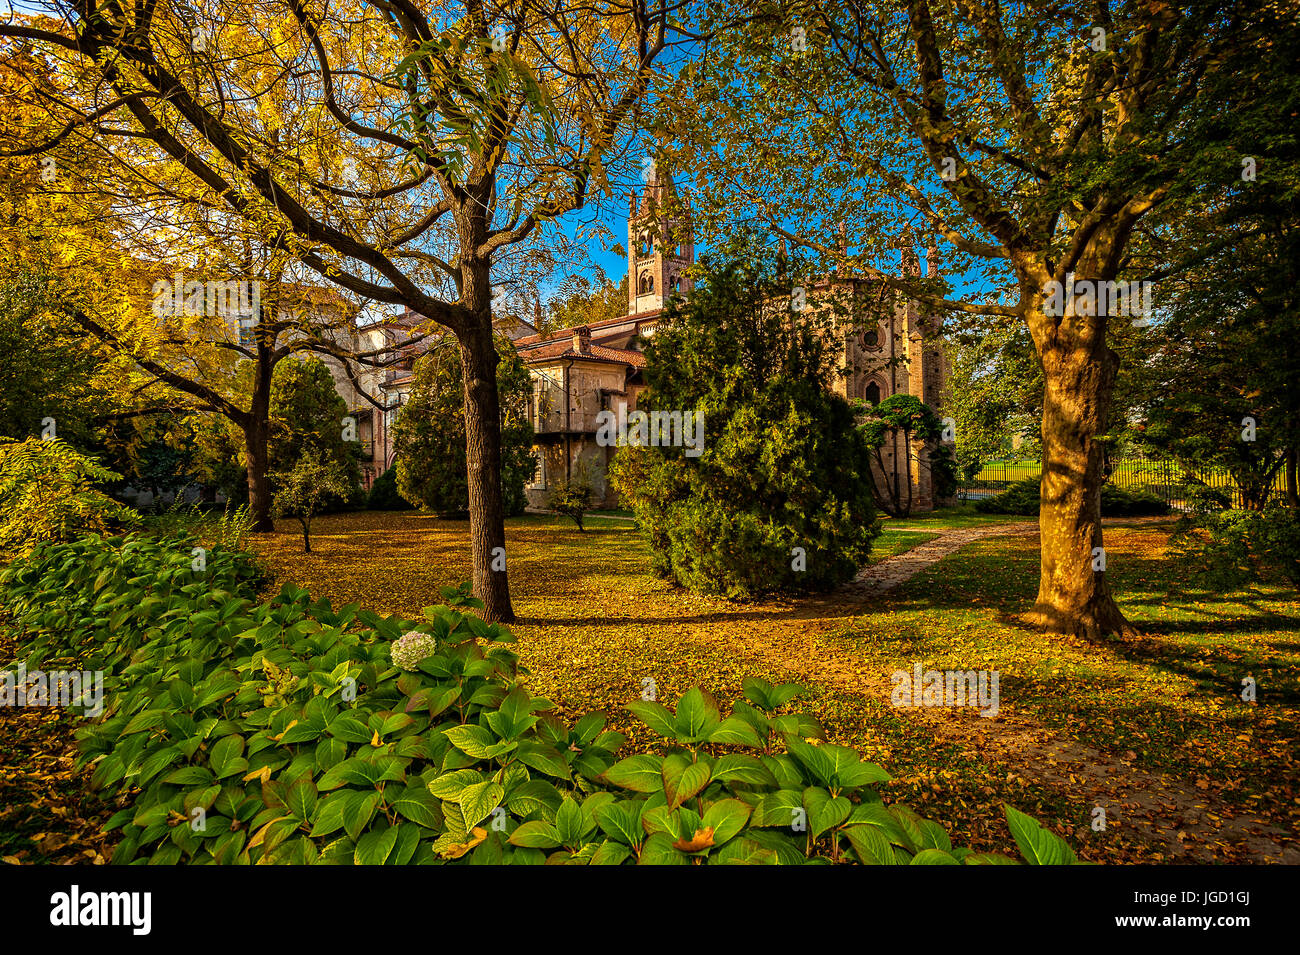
660	245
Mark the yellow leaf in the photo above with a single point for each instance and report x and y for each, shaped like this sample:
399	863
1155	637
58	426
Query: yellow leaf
458	849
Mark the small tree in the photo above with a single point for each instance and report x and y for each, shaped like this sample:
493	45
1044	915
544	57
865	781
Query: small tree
430	433
305	490
308	415
896	423
572	496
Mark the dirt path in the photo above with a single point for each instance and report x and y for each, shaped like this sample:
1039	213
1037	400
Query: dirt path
1170	813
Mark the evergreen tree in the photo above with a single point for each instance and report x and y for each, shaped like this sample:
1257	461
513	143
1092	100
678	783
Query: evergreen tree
430	433
777	497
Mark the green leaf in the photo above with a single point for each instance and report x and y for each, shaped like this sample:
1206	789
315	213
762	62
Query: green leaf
835	767
449	786
933	857
621	821
535	835
658	850
226	758
740	768
610	853
654	715
358	812
778	809
824	813
727	817
735	731
374	847
1037	845
683	779
871	845
639	773
478	800
544	759
189	776
329	812
697	715
570	824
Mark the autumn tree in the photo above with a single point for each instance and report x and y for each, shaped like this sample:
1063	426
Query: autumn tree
398	150
395	150
1028	143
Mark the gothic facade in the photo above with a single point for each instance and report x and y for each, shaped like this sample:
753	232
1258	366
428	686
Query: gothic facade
886	346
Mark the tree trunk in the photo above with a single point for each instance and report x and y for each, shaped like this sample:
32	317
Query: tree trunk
1079	374
259	482
257	431
1292	494
483	446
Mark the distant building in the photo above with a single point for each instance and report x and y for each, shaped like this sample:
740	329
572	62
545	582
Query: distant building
579	372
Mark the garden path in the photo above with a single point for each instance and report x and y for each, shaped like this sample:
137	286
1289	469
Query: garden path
1173	813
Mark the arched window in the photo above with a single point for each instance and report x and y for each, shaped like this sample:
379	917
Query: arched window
675	283
646	284
872	393
645	246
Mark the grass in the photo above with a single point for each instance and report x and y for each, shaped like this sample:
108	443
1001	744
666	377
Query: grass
596	628
957	517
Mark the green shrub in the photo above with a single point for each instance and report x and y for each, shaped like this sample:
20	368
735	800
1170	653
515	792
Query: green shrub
281	732
572	497
1227	549
384	495
48	493
777	495
1023	498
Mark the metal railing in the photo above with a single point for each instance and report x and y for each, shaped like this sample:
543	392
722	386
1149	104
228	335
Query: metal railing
1167	480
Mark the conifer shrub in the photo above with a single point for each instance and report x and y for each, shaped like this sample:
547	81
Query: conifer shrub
776	494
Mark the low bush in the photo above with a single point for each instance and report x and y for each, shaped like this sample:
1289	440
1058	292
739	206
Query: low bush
572	497
1227	549
282	732
1022	498
383	494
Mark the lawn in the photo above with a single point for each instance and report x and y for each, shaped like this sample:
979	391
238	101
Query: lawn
957	517
1152	730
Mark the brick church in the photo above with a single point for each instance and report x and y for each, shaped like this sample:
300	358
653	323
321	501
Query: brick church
579	372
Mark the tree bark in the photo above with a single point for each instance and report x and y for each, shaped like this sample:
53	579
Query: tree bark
1079	375
483	445
1292	494
257	432
259	482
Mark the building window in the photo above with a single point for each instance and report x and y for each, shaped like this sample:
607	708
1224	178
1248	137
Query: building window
645	245
675	283
647	284
871	337
872	393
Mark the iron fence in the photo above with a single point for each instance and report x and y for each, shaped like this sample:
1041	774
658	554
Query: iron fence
1167	480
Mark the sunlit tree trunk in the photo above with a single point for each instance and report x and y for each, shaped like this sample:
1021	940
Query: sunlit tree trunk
483	446
1079	368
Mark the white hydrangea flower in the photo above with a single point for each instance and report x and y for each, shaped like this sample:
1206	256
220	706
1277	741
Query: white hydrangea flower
412	647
